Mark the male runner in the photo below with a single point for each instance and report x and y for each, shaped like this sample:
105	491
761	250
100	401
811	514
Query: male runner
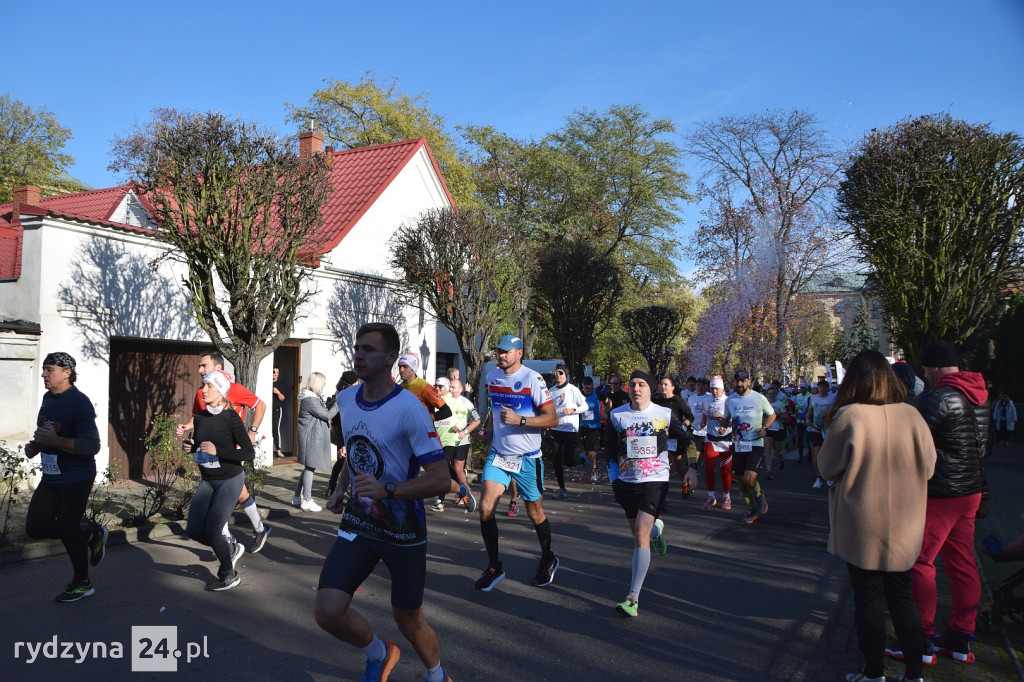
241	397
388	437
451	430
802	400
751	416
408	366
520	407
776	438
818	408
642	431
569	402
698	403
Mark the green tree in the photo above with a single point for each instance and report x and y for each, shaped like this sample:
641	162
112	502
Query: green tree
240	209
862	332
31	141
465	269
1005	369
576	288
370	112
934	205
653	331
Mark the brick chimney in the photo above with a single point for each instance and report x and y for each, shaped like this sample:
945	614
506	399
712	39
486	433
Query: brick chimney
310	142
23	194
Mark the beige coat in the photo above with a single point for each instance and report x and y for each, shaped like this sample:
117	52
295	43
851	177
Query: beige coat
881	457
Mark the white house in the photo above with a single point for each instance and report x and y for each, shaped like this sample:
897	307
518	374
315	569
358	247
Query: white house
76	276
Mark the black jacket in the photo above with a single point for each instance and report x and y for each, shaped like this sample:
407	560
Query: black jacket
959	427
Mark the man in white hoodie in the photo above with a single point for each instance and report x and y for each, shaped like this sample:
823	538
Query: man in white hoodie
569	402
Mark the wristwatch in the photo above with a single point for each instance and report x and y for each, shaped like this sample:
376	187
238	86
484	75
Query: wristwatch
389	488
254	429
522	421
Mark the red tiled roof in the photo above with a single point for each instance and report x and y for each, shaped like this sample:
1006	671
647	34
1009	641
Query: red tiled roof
359	176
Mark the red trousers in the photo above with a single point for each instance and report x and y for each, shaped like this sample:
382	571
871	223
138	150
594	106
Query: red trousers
949	532
717	461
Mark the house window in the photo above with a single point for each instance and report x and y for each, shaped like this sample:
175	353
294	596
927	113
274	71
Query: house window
875	310
840	309
445	361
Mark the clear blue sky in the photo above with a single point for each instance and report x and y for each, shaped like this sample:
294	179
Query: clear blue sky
521	67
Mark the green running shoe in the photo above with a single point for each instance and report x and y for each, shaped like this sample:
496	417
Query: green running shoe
628	607
658	538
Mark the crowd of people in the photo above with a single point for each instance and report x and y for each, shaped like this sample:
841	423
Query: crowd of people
903	466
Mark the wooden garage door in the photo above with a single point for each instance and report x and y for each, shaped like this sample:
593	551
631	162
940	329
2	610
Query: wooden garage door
147	378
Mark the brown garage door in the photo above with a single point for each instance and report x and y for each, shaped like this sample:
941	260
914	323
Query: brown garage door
147	378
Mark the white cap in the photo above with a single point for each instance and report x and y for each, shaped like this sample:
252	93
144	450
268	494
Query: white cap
716	381
442	381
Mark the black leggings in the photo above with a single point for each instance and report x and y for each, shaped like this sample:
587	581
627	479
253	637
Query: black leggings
872	592
56	511
211	507
565	450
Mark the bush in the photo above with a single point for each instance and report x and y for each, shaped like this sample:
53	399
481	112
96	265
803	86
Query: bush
14	471
166	459
102	506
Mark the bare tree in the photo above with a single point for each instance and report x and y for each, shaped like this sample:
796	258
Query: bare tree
241	210
653	330
465	269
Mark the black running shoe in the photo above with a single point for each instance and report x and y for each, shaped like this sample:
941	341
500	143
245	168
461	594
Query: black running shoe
75	591
545	572
98	545
225	583
489	578
260	538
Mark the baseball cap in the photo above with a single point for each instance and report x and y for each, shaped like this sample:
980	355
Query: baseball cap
508	342
741	375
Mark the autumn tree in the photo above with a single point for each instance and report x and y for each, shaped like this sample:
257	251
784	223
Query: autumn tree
774	173
934	205
373	112
236	205
31	144
467	270
576	288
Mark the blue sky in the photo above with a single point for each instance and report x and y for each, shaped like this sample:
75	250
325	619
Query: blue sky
520	67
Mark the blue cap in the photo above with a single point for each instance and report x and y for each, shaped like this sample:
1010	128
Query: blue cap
508	342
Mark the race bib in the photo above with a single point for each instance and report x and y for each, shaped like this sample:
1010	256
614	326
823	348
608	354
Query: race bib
588	416
207	461
673	445
50	464
641	447
510	463
743	446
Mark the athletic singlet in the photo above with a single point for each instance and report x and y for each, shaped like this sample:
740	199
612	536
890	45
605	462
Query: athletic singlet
524	392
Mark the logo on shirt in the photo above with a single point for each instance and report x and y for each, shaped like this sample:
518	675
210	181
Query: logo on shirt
364	457
518	385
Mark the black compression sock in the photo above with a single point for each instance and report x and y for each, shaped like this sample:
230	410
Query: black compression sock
489	529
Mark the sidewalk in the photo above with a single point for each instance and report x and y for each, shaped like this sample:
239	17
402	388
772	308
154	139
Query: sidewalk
999	651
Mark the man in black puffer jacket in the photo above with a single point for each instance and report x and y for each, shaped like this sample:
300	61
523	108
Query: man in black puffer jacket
955	408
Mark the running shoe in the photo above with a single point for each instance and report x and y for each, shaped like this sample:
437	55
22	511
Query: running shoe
513	508
545	572
750	516
225	583
956	645
237	550
709	503
437	506
762	504
769	476
489	578
593	475
562	494
929	657
727	503
861	677
310	506
628	608
658	538
259	538
75	591
467	497
817	482
782	463
378	671
98	545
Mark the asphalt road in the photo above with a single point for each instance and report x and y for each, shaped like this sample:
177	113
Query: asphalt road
728	602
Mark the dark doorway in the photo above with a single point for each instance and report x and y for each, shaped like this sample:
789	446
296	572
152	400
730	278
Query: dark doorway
286	360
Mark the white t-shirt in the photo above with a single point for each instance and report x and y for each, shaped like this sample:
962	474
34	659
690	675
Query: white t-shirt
819	407
389	439
780	406
524	392
572	398
642	442
698	403
468	410
747	413
719	441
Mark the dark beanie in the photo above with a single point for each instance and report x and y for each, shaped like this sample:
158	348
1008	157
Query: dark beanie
940	353
905	373
640	374
563	367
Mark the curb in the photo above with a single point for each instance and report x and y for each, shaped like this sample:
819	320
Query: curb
43	549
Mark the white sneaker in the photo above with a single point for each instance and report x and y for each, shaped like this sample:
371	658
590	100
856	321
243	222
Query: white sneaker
296	500
817	483
311	506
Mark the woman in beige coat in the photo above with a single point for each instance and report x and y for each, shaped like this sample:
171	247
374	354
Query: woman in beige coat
879	452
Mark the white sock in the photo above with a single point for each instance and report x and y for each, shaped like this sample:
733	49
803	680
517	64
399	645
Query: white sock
376	650
641	562
435	674
226	533
727	496
254	516
711	494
